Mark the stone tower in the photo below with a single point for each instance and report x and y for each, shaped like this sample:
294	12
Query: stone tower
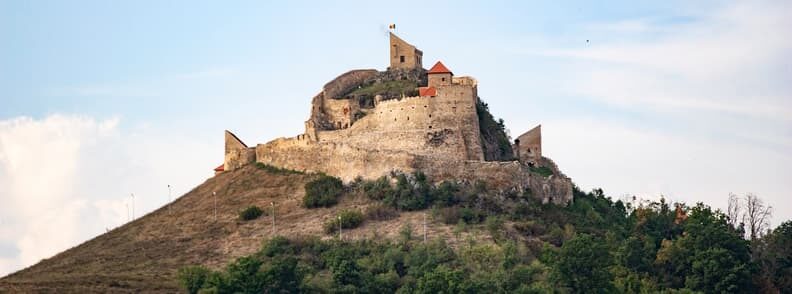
403	55
439	75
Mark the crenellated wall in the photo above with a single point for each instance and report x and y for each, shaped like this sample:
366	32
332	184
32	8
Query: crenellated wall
444	126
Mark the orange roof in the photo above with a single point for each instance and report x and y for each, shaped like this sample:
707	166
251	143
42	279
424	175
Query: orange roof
427	91
439	68
220	168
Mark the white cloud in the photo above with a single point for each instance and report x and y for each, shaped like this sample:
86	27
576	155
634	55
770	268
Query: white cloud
733	59
64	179
628	160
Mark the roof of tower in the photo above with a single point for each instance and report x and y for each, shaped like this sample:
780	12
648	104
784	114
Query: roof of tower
220	168
439	68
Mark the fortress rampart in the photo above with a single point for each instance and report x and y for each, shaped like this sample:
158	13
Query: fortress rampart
436	131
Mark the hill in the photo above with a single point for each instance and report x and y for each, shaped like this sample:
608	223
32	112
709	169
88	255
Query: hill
145	254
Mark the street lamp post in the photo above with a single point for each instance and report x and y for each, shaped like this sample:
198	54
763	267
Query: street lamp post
273	217
214	197
424	226
169	199
340	229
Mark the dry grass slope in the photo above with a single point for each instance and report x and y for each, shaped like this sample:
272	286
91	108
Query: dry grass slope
144	255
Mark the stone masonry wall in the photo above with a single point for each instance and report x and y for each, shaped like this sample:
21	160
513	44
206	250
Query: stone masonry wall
338	159
445	126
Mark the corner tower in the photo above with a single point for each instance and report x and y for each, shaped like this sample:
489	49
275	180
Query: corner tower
439	75
403	55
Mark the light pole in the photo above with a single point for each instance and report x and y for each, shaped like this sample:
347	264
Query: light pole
127	209
273	217
214	196
340	228
424	226
169	199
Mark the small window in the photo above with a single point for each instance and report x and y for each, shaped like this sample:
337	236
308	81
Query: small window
443	79
430	127
401	59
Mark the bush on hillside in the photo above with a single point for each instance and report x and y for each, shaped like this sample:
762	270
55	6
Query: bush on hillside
349	219
250	213
192	278
323	192
381	212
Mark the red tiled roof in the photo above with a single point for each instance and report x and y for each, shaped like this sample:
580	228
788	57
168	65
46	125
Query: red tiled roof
220	168
439	68
427	91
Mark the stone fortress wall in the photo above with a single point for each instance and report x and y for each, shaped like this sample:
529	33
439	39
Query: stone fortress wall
436	132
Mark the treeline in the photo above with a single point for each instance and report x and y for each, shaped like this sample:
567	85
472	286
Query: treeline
593	245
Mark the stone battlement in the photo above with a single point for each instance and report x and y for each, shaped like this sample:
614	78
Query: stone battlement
437	132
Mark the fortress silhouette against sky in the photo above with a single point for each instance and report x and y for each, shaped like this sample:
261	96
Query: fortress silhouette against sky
366	123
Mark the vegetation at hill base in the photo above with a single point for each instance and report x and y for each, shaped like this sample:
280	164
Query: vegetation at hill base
323	191
593	245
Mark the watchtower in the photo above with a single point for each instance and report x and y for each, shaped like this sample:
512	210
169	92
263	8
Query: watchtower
403	55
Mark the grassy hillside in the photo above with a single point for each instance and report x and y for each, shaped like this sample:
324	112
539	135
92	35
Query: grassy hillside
477	241
146	254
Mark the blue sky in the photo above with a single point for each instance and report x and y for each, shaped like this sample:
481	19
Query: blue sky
102	99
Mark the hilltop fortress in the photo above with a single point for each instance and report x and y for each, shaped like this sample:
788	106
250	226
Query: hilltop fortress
366	123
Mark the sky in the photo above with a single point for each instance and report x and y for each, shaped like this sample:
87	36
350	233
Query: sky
102	100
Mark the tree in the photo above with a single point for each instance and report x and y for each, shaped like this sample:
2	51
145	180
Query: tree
716	270
757	215
710	256
734	210
583	264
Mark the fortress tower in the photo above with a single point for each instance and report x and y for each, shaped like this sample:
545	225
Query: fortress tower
403	55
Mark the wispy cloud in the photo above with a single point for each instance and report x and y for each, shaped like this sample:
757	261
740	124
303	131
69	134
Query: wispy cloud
64	179
733	59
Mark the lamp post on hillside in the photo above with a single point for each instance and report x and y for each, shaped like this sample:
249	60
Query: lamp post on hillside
424	226
214	196
273	217
340	228
169	199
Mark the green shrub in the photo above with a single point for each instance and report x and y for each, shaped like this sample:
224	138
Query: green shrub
379	189
350	219
323	192
192	278
542	171
276	170
381	212
250	213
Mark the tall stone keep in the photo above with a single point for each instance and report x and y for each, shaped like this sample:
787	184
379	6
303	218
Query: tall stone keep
403	55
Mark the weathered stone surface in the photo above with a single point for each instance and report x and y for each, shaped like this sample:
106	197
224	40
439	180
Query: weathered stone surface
439	135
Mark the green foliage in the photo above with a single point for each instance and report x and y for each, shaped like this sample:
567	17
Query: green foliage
276	170
193	278
583	263
497	146
542	171
324	191
349	219
711	256
389	89
594	244
250	213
